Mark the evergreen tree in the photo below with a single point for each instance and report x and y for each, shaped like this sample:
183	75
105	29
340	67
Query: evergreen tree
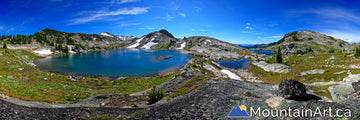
357	52
4	46
60	47
279	56
66	50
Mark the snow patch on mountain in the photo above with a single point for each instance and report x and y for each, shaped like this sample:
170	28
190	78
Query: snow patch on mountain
182	46
230	74
149	44
106	34
43	52
125	37
136	44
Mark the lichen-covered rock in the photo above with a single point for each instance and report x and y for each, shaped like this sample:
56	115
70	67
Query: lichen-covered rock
352	78
275	67
341	92
316	71
356	86
292	89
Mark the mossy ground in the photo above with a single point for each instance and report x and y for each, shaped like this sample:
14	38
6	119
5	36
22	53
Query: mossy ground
322	90
197	81
26	82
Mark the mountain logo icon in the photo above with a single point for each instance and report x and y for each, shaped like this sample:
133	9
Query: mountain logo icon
239	111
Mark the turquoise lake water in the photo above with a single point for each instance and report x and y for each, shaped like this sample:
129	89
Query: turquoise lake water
115	63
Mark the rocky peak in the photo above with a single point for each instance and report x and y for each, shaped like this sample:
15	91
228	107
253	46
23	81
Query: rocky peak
166	33
304	36
300	41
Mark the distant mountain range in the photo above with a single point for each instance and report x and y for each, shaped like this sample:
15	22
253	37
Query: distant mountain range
57	41
294	42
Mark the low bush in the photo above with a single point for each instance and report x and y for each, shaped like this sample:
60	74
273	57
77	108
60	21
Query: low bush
155	95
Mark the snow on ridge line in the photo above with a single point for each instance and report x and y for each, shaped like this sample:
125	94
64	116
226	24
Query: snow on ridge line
182	46
106	34
43	52
136	44
230	74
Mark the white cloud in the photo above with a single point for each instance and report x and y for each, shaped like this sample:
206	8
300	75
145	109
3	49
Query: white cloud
2	28
201	30
348	37
167	17
124	1
272	25
128	24
182	14
149	28
205	25
175	5
99	15
247	31
276	36
248	27
335	13
337	22
56	0
248	24
198	9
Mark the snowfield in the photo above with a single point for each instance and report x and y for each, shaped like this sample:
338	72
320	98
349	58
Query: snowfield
106	34
149	44
136	44
43	52
231	75
72	52
183	45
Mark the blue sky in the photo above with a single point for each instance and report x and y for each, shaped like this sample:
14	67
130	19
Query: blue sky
235	21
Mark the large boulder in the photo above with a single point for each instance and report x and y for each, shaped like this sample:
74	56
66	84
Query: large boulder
292	89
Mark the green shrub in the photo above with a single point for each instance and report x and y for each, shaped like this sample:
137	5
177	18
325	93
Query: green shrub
155	95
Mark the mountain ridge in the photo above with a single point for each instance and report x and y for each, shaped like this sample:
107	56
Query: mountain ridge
300	41
57	41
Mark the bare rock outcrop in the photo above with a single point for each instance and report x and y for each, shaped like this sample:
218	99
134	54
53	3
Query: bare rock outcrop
275	67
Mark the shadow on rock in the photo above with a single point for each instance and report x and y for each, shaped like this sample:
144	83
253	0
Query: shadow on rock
306	98
295	90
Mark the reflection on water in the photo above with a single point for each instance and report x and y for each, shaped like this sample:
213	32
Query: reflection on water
115	63
239	64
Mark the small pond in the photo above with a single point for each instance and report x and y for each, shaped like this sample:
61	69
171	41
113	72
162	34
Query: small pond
266	52
235	64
